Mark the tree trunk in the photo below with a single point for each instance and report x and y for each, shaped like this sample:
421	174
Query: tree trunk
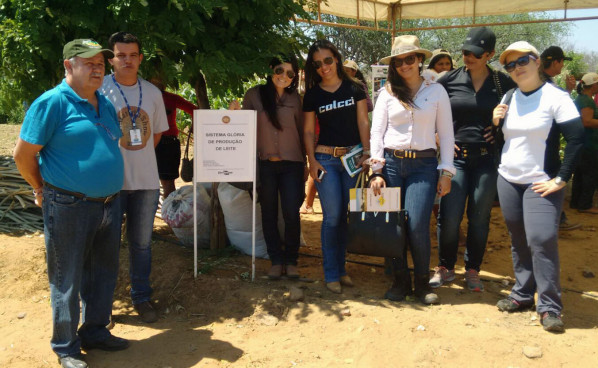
217	228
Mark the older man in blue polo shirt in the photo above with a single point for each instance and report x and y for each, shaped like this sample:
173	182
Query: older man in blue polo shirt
77	180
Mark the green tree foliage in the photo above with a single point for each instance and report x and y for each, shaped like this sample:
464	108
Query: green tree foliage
215	43
366	47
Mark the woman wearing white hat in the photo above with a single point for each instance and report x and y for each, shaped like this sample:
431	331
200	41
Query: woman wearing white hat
408	114
585	178
531	180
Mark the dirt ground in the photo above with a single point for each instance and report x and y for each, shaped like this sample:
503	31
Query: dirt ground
222	319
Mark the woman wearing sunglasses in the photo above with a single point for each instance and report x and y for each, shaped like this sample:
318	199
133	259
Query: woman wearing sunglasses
281	161
531	180
474	90
409	112
339	103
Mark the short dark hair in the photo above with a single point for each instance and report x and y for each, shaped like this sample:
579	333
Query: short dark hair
123	37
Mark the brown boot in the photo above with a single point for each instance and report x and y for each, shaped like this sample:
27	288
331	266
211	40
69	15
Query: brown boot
423	290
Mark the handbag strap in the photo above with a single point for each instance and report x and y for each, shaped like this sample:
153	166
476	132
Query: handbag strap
497	84
187	145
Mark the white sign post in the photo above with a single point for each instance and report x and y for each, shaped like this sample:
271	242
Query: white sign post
224	150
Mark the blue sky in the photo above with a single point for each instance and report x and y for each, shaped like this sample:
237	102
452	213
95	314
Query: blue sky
583	33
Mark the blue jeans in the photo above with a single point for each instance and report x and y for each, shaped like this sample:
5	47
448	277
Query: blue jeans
284	178
533	223
418	179
140	207
82	241
334	198
474	183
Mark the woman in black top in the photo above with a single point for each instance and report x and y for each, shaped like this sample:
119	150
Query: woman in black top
474	90
339	103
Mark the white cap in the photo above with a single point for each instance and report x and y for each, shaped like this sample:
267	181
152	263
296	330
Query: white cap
519	46
589	79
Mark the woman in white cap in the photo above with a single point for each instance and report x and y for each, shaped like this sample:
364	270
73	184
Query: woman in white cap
531	180
440	63
585	178
409	112
352	69
474	90
338	103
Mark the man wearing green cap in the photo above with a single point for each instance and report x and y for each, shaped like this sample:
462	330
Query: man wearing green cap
77	180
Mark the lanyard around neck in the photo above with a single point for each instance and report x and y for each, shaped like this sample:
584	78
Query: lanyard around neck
136	115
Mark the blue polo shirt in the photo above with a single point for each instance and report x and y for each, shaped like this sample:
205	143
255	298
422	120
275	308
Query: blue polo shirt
80	147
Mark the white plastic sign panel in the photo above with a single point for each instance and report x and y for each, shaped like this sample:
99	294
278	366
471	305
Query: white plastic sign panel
224	145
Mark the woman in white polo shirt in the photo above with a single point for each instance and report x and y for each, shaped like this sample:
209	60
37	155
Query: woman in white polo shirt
531	179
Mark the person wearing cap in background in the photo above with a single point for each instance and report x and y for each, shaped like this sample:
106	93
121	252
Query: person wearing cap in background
440	63
585	177
474	90
77	182
553	60
140	110
531	180
352	69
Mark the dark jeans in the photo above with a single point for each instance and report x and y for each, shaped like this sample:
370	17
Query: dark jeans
474	183
533	223
284	178
140	207
585	180
82	241
418	179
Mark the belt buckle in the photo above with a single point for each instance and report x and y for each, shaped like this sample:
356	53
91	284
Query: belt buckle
337	154
483	151
399	153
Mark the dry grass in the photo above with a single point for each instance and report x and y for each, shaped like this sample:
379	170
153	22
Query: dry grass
8	138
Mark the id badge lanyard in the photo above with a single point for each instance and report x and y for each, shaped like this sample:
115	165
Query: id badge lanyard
135	132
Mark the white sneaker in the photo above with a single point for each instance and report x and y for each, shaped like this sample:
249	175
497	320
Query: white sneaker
441	275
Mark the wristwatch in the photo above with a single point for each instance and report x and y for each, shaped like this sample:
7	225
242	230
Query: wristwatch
558	180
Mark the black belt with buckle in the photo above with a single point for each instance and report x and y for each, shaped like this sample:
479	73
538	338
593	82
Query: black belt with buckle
411	153
473	149
104	200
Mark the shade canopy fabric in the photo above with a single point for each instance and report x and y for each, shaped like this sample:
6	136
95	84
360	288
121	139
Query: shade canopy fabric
381	10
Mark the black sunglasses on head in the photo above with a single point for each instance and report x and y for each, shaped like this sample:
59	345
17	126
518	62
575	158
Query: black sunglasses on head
328	61
469	53
522	61
409	60
279	70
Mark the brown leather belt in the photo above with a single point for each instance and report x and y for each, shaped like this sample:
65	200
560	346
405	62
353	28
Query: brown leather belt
411	153
104	200
334	151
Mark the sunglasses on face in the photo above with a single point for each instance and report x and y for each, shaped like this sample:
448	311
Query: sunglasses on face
280	70
522	61
328	61
409	60
469	53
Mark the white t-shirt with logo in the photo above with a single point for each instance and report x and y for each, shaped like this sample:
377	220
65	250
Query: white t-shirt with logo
141	168
526	128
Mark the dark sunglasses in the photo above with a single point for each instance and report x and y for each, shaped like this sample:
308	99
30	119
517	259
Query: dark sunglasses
279	70
409	60
522	61
328	61
469	53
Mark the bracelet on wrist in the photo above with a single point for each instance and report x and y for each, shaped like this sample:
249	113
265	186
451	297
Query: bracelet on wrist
38	191
446	173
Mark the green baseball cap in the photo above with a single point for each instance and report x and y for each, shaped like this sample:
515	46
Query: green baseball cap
85	48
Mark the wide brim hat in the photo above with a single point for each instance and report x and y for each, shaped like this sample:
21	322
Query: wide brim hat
519	46
405	44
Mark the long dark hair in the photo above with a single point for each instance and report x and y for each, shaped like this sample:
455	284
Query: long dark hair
397	84
312	78
268	94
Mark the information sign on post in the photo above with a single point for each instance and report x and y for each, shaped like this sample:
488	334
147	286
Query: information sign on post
224	150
